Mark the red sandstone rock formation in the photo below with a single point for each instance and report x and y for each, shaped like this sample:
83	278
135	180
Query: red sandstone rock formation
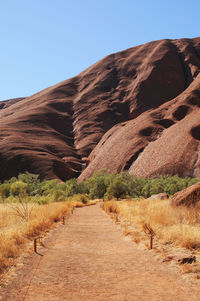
189	196
137	110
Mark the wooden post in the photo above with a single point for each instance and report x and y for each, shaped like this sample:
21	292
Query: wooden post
35	245
149	231
63	220
151	242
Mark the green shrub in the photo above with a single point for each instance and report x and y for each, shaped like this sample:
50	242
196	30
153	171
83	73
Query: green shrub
33	181
4	191
84	198
58	195
72	187
19	188
48	186
79	198
42	202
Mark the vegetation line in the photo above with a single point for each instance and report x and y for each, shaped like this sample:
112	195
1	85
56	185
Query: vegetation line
101	185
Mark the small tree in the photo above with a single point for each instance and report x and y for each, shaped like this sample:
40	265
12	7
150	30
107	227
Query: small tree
118	188
98	189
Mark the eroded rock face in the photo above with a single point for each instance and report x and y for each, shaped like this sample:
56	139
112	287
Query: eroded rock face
138	109
189	196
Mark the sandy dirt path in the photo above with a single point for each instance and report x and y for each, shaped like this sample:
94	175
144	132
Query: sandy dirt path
89	259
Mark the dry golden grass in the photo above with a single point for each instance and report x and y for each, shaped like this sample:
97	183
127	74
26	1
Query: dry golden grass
15	231
176	226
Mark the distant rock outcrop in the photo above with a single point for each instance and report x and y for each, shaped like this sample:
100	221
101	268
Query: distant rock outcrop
136	110
187	197
159	196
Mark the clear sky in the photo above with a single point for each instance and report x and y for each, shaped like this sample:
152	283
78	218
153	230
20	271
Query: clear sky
46	41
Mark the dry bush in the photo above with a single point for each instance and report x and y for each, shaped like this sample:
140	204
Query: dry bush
111	207
178	226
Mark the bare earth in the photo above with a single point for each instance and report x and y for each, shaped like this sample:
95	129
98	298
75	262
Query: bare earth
89	259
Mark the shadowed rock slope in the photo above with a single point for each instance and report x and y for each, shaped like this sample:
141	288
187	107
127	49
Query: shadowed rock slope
138	109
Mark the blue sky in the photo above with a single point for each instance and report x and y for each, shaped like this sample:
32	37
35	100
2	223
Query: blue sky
46	41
